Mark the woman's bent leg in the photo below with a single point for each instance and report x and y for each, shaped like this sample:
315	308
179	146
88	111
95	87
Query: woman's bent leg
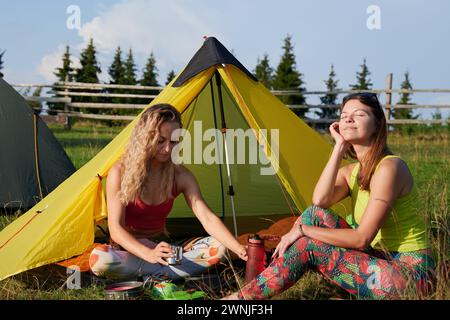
105	261
357	272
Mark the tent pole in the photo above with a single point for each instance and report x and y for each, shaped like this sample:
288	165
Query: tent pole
224	133
218	150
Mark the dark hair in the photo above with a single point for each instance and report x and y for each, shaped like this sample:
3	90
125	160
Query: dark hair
379	147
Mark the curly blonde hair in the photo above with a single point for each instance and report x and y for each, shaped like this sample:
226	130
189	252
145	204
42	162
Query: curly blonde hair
140	151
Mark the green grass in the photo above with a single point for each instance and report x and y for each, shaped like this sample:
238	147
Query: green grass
84	140
425	151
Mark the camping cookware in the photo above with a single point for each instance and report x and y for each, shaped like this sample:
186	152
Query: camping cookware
129	290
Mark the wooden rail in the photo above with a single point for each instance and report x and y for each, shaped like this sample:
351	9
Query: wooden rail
69	94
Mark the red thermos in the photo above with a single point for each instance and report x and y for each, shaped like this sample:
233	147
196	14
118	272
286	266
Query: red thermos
256	257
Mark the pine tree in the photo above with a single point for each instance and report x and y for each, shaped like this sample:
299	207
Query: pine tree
90	68
149	77
88	73
116	70
405	99
130	69
263	72
150	73
63	74
170	76
329	99
1	63
362	78
288	78
116	73
130	79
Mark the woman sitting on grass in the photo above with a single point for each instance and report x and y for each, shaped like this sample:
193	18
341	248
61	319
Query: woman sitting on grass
386	251
141	189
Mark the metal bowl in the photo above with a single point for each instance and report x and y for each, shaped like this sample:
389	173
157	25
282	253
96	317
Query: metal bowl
129	290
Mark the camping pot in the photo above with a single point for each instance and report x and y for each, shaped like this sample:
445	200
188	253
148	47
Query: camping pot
177	252
129	290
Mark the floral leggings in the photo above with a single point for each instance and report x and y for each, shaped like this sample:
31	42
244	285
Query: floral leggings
366	274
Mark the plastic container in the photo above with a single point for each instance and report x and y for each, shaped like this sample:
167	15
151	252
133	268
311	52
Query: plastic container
256	254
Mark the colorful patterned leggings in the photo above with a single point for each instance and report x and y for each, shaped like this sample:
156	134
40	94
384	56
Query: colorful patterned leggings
366	274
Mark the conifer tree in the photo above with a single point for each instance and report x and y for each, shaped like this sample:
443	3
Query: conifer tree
65	73
363	81
1	62
149	77
288	78
90	68
130	79
150	72
130	69
88	73
329	99
170	76
116	73
405	98
263	72
116	70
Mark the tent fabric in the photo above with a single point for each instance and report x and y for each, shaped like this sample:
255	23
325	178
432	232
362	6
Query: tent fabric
211	53
65	226
32	161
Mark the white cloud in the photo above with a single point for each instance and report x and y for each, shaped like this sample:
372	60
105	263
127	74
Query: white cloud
53	60
168	28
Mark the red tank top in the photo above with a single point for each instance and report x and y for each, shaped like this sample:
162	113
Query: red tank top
141	216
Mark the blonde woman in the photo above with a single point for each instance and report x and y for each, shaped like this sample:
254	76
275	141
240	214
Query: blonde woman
141	189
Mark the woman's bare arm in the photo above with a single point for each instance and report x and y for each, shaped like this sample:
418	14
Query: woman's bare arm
187	184
386	185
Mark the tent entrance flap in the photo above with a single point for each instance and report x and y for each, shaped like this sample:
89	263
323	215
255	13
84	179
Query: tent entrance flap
259	199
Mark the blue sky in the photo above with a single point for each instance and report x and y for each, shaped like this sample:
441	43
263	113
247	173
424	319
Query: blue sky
413	36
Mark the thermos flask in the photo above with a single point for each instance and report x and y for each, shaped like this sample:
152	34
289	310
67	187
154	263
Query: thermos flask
256	257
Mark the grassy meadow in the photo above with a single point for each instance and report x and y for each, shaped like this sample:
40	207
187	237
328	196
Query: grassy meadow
426	152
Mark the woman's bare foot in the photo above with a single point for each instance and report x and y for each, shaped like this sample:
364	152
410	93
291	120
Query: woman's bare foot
233	296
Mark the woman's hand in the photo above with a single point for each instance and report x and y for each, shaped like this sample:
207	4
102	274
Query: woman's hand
286	241
242	253
340	141
161	251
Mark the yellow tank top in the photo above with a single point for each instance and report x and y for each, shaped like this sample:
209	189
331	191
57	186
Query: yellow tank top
404	229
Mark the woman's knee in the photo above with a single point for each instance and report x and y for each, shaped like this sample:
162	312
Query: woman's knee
309	216
105	261
100	258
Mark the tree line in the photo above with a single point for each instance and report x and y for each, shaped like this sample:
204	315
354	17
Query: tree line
286	76
123	70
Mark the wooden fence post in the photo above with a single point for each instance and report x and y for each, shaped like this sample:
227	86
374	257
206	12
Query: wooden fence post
66	106
387	110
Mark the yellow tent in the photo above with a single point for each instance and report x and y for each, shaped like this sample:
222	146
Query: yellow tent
212	88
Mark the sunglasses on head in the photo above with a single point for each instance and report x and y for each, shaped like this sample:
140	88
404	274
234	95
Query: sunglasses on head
364	95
